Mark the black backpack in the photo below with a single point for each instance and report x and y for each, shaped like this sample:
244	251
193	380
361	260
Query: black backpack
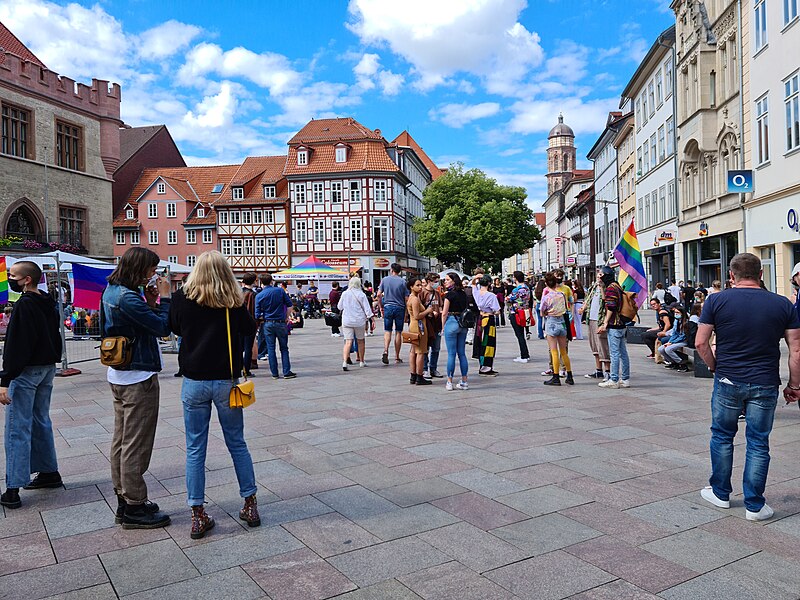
669	298
691	333
467	318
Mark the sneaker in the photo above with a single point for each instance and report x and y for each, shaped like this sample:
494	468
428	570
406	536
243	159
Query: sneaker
426	375
489	373
344	365
249	513
335	335
610	384
521	360
436	375
595	375
362	364
709	496
462	385
449	386
527	336
765	513
682	368
10	498
385	358
275	377
45	480
547	373
624	383
290	375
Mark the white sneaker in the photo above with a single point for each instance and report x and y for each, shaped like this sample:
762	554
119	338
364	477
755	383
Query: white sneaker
449	386
336	335
426	375
520	360
363	363
462	385
563	373
547	373
709	496
765	513
624	383
608	383
344	365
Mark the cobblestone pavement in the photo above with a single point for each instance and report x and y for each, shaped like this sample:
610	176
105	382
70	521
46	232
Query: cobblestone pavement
374	489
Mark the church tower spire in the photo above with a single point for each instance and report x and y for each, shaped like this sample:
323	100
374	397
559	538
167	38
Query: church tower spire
560	155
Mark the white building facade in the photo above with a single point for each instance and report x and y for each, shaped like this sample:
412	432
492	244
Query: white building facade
606	200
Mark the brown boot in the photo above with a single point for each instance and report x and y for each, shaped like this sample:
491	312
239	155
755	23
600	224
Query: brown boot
249	513
201	522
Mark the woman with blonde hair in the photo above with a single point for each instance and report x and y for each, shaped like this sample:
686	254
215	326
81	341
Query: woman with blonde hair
208	313
356	312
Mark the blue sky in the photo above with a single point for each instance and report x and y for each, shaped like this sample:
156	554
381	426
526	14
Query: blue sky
478	81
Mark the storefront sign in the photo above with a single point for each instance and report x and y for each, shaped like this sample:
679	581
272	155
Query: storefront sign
664	237
792	220
571	260
341	263
740	182
703	229
381	263
584	259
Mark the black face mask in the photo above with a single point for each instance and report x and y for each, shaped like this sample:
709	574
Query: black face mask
14	285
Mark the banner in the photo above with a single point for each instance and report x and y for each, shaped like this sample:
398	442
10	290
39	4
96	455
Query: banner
3	280
631	270
89	284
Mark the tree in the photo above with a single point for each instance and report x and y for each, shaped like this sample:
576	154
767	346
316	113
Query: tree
472	220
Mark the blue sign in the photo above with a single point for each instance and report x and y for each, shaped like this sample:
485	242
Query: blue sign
740	182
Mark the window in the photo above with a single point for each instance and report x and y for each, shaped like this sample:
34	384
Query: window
217	188
639	163
269	217
226	247
191	260
172	236
380	234
269	191
318	192
651	95
662	201
235	217
337	230
201	212
760	23
15	125
302	157
789	11
653	150
319	232
246	217
300	193
380	190
712	87
129	213
272	247
208	236
69	145
238	193
223	217
638	114
355	191
172	259
161	187
172	209
668	75
792	112
71	225
644	108
670	135
120	235
248	246
355	231
341	154
672	208
135	238
152	237
762	129
258	217
152	210
646	159
191	236
259	246
300	235
661	148
336	192
236	246
659	87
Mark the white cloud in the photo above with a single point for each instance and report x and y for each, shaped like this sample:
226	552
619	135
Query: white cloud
584	116
458	115
369	74
166	39
316	100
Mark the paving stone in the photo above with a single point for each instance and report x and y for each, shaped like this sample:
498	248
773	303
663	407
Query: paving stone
725	584
386	561
104	540
82	518
441	449
331	534
147	566
298	575
473	547
616	522
539	475
96	592
391	456
480	511
622	432
374	476
424	490
634	565
19	524
549	577
543	500
546	533
616	590
302	485
771	569
756	536
433	467
387	590
24	552
699	550
402	522
356	502
541	454
675	514
217	555
453	581
54	579
270	470
232	583
295	509
352	445
486	484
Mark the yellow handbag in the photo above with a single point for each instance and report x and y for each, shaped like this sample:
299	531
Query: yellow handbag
242	394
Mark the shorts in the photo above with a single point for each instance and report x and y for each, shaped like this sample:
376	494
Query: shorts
598	343
394	314
555	326
350	333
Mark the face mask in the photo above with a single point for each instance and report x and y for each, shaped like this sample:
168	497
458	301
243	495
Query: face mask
792	281
15	286
678	317
435	285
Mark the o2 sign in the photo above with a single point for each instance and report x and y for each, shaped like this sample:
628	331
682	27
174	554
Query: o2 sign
792	220
740	182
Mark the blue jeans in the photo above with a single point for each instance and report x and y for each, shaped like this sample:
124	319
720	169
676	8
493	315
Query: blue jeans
618	349
435	347
455	338
539	323
262	341
393	315
277	330
197	397
29	442
758	403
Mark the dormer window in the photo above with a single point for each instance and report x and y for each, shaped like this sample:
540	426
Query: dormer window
161	188
341	154
302	157
238	193
269	191
201	212
129	213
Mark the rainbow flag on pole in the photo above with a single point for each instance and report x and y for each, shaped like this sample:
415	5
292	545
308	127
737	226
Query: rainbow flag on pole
631	270
3	280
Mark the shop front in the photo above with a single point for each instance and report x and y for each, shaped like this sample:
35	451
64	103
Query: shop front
658	250
773	234
708	245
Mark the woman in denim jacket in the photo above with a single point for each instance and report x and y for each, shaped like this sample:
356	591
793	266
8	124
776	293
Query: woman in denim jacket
139	317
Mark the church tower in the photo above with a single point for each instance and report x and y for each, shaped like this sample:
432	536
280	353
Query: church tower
560	156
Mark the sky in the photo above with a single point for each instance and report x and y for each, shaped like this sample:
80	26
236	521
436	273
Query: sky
476	81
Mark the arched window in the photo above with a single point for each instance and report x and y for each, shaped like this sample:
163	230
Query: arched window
22	224
729	155
566	163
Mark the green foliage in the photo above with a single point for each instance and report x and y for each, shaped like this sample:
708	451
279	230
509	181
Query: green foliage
472	220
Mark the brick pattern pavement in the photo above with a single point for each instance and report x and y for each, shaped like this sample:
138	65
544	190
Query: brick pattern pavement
371	489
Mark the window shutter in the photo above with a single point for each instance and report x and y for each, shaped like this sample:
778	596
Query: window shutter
327	194
345	190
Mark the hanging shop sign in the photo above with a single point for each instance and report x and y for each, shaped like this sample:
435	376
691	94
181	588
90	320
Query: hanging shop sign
703	229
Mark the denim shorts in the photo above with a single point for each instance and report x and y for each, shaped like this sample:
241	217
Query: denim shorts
554	326
393	314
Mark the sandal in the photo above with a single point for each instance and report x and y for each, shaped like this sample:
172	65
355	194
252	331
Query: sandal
398	361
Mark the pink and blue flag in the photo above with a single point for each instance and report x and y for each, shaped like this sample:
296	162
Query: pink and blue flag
631	270
89	282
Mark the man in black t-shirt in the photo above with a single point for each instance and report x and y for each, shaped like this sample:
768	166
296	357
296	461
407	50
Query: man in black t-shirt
687	295
749	323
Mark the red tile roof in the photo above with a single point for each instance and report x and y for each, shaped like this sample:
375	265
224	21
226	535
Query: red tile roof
582	173
122	222
334	130
268	168
210	217
405	139
10	43
202	180
362	156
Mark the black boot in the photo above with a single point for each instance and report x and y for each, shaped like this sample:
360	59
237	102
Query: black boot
45	480
554	380
413	379
152	507
569	380
422	381
10	498
138	516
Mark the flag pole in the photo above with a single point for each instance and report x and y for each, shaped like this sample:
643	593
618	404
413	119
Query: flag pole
65	371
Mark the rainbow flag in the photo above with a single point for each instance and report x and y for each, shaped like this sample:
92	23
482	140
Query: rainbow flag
3	280
631	270
89	285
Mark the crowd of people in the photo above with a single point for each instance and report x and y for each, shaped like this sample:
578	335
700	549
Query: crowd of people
223	323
